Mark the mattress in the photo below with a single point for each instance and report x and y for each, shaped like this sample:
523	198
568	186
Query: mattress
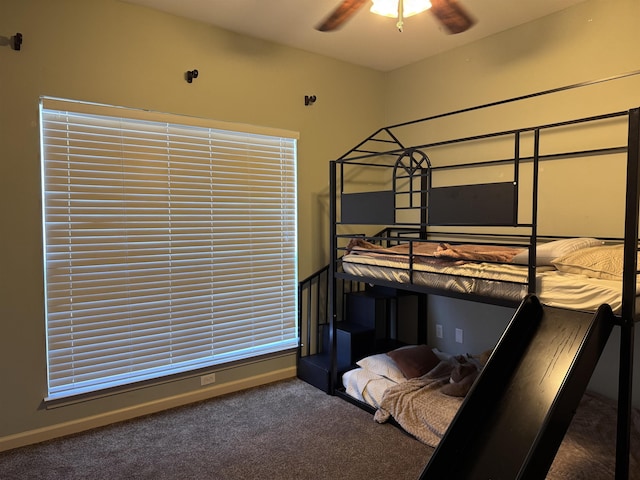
495	280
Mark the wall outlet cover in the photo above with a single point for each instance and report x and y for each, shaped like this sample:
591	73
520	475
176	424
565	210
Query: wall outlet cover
458	335
207	379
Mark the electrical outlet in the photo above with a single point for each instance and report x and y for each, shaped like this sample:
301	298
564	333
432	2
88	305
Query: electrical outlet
458	335
207	379
439	331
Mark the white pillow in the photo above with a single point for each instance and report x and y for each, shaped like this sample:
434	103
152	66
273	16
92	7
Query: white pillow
596	262
383	365
547	252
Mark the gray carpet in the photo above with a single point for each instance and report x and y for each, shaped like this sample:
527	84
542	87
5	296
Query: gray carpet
286	430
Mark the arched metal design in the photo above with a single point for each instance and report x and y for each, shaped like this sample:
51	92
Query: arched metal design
412	181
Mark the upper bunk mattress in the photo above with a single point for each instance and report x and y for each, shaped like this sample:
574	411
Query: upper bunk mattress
506	281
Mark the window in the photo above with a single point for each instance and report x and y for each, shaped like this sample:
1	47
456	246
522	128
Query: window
170	244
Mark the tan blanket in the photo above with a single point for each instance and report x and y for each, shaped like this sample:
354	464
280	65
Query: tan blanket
420	407
478	253
428	252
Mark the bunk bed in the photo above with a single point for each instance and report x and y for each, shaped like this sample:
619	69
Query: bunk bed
402	219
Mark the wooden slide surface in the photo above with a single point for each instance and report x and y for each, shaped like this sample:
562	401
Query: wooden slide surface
513	420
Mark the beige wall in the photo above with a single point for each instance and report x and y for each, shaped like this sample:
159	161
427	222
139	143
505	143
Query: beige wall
111	52
591	40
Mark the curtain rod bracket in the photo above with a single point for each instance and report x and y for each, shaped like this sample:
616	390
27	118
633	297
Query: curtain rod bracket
190	75
17	41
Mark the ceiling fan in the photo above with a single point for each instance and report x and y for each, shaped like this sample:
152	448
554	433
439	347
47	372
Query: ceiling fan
449	13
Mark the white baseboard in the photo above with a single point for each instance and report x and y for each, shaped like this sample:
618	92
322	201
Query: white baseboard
60	430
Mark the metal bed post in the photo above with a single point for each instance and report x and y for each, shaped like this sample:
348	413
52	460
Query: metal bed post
425	185
534	214
516	176
423	299
625	380
627	327
331	291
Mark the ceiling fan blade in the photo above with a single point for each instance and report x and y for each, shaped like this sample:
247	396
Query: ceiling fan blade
340	15
454	18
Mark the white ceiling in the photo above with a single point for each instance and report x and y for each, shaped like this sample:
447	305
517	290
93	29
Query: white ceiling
367	39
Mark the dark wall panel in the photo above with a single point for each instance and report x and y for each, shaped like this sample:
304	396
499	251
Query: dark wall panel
481	204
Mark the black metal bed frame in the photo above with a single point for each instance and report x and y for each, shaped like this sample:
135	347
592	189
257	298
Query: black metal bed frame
411	163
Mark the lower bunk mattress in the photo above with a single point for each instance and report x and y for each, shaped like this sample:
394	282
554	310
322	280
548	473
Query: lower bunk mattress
577	274
424	406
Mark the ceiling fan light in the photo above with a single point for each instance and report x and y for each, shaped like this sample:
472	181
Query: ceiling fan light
389	8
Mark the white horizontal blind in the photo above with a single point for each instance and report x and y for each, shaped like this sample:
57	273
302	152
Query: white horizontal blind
169	247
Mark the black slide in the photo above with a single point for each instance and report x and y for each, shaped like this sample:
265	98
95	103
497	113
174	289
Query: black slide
513	420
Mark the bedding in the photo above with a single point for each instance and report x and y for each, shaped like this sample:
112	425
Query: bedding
595	262
461	277
367	386
376	373
424	406
421	408
421	405
582	279
379	382
383	365
546	253
435	252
